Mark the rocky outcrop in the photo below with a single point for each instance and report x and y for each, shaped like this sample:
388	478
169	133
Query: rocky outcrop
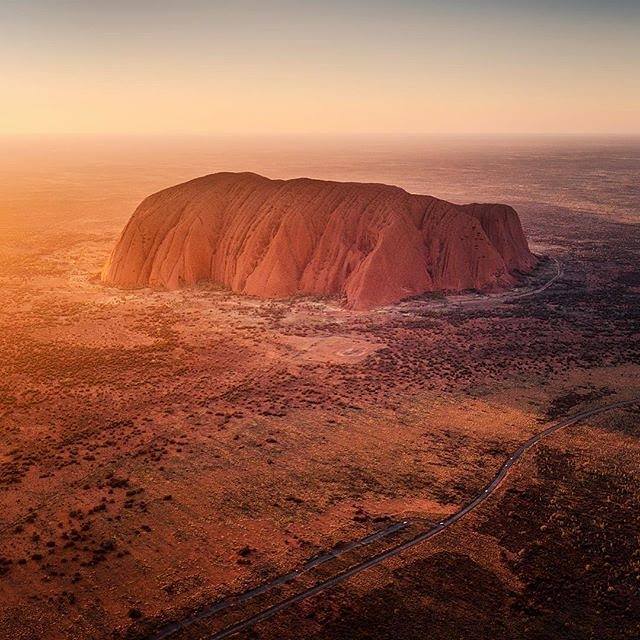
373	244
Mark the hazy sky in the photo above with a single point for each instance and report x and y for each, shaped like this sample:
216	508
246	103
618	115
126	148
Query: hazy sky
395	66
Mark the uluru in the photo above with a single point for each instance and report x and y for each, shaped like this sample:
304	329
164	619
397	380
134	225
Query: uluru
370	244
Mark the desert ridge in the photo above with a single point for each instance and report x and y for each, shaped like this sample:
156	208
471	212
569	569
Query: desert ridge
371	244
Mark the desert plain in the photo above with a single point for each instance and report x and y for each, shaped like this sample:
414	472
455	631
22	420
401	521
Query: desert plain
163	450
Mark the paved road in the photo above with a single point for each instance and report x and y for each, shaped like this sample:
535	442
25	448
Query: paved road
426	535
247	623
234	600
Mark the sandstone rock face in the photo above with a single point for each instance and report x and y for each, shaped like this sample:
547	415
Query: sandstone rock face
373	244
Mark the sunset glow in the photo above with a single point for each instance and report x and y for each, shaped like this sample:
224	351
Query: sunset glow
306	67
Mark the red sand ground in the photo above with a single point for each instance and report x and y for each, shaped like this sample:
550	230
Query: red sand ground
149	437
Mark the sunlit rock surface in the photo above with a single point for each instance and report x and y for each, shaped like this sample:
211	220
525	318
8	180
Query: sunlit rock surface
373	244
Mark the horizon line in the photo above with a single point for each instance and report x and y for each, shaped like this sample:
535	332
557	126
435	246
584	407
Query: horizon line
319	134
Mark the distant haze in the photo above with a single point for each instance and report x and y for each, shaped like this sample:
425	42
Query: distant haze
403	66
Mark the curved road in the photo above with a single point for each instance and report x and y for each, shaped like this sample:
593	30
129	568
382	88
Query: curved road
509	296
541	288
384	555
483	300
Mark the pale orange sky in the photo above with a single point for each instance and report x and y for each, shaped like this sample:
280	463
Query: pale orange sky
309	67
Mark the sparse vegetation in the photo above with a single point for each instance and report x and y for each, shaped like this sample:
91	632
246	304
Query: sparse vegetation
159	450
